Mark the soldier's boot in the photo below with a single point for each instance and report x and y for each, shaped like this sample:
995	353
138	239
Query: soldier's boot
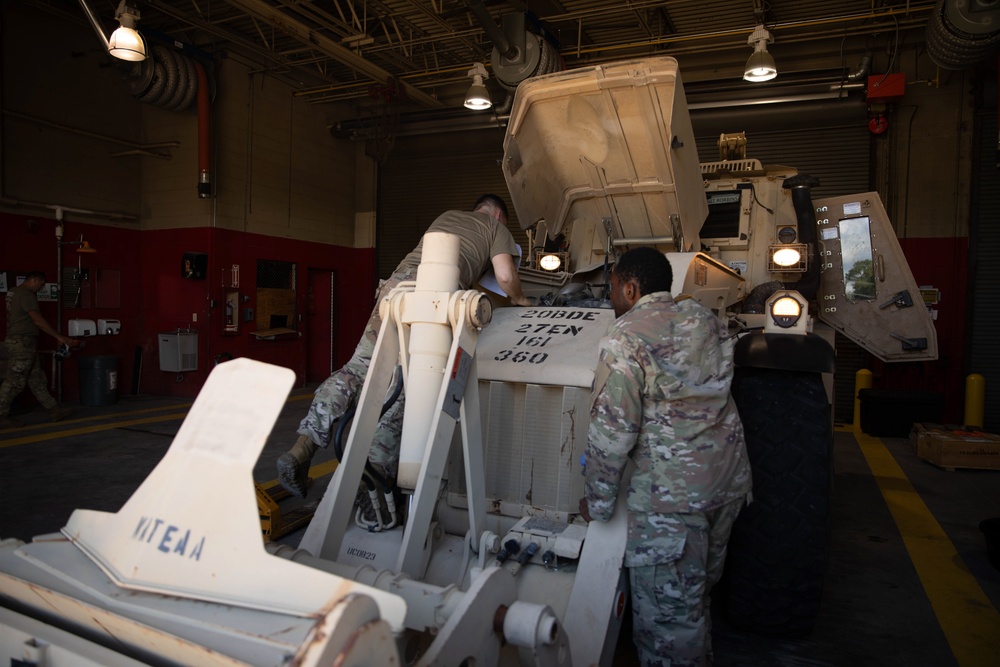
293	466
60	412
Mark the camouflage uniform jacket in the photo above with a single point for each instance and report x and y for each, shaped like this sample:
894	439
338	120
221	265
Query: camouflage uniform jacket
661	398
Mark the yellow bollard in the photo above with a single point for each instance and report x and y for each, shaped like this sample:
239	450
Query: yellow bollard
975	397
862	380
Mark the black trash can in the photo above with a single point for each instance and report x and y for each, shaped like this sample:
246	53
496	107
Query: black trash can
98	380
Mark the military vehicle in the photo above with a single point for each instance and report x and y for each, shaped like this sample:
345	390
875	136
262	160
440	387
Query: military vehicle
478	556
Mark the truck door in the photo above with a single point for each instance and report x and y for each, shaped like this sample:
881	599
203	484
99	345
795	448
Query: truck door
867	291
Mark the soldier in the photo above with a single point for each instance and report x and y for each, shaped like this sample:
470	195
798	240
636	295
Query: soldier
661	399
485	241
24	321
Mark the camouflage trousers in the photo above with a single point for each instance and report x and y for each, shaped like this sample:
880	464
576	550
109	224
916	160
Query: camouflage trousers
23	368
671	622
339	391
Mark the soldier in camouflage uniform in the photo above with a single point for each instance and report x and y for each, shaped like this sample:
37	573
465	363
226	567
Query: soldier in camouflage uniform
485	242
24	322
661	399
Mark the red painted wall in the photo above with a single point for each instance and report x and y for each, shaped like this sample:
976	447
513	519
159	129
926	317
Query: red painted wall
943	264
169	301
29	243
155	298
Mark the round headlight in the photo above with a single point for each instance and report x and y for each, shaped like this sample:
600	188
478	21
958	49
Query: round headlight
786	311
550	262
787	257
786	235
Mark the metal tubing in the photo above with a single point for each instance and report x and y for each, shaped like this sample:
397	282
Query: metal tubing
493	31
97	26
430	344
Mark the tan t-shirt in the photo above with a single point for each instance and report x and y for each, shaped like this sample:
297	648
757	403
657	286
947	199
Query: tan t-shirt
481	236
21	301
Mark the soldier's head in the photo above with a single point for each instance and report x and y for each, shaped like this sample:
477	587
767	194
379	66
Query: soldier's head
639	272
492	205
34	281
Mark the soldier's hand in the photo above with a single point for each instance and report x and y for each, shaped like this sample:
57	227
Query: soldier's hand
585	510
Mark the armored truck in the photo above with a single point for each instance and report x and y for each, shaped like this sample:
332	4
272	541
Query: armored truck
477	555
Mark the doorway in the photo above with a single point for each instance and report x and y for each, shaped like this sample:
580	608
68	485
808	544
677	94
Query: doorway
320	321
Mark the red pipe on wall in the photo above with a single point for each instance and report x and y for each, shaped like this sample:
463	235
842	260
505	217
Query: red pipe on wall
204	176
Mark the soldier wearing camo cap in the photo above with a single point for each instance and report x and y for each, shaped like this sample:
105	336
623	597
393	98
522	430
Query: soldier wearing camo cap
485	241
661	399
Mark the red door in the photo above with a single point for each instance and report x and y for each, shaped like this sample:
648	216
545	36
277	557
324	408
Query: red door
320	325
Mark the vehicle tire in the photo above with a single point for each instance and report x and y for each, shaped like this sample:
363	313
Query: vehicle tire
777	550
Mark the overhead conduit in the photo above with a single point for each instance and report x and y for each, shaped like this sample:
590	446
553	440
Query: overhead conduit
173	80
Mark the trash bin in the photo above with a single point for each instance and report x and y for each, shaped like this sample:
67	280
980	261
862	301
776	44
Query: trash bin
98	380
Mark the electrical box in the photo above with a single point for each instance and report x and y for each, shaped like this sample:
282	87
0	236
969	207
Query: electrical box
109	327
82	327
178	351
886	87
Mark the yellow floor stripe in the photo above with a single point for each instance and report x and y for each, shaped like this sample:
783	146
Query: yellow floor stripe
316	471
89	429
65	433
970	623
94	418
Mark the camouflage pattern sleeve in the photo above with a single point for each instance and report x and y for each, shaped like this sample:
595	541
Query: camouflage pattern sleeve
615	418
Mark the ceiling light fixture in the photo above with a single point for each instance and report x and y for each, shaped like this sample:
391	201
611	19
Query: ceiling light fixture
126	43
760	64
478	98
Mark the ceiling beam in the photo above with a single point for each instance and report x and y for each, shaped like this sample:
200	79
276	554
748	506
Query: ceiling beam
324	44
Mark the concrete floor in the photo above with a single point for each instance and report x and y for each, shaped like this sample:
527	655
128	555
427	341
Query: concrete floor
883	602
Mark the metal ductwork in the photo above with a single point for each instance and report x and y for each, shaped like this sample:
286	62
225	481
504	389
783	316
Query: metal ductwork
167	79
961	33
517	53
173	80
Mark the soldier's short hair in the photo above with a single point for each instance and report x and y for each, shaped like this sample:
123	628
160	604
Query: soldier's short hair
35	274
488	200
650	268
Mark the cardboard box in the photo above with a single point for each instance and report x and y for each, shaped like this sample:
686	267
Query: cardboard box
950	448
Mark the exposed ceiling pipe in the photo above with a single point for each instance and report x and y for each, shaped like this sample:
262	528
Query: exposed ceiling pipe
146	149
204	134
304	33
500	42
862	71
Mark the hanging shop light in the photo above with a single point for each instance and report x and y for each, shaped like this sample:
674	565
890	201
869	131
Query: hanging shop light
126	43
760	65
478	97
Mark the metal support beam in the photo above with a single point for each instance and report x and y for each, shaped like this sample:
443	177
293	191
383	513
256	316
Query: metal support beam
290	26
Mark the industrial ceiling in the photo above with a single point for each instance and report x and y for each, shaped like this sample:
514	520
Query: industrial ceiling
354	51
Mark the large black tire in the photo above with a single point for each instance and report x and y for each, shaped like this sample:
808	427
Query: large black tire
777	551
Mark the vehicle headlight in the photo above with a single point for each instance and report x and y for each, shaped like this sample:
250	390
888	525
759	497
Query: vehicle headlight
787	256
551	261
786	311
